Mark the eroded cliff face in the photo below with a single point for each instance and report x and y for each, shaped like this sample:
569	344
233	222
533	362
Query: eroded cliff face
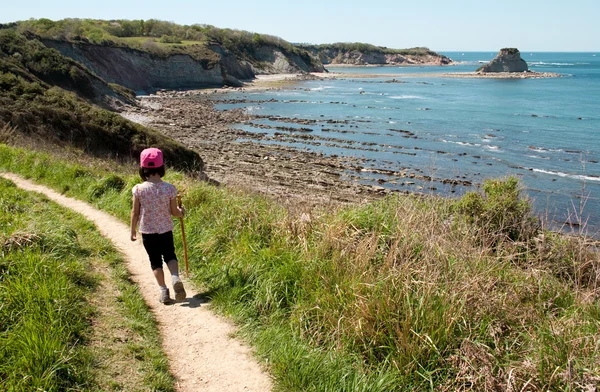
355	57
239	69
143	71
359	58
271	60
507	60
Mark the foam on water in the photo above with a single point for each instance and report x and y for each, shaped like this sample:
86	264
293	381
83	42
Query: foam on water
567	175
406	97
494	148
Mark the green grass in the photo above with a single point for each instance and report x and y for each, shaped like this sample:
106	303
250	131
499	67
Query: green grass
50	323
405	293
44	283
139	41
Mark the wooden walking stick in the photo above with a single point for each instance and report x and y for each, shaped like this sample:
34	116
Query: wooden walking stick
185	255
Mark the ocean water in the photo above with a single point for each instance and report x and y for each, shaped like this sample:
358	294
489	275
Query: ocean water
546	132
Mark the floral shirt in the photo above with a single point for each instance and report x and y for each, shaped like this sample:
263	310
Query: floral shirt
155	206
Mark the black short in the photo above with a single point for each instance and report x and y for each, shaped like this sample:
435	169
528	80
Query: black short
160	248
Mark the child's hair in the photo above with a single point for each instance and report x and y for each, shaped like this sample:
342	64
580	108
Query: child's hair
146	172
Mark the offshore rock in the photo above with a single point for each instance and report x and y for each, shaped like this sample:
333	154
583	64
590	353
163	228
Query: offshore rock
507	60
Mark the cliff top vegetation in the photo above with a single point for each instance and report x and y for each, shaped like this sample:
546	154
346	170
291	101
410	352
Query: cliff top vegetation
510	50
156	36
364	47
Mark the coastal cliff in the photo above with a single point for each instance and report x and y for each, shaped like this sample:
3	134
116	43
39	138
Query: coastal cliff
151	55
145	71
30	60
365	54
507	60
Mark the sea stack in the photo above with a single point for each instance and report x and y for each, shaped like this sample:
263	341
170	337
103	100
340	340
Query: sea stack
507	60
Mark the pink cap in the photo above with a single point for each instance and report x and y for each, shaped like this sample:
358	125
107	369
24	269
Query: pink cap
151	157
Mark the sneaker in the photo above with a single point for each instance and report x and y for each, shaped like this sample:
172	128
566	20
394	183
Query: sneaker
178	288
164	296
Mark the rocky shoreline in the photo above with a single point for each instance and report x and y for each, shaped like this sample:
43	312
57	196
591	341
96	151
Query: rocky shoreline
291	175
240	159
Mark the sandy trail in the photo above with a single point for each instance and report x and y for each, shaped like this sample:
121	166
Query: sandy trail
202	354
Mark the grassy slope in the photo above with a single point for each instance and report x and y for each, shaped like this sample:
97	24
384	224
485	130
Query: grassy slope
33	101
58	316
30	59
401	294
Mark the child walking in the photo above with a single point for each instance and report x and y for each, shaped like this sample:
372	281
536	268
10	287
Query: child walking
154	202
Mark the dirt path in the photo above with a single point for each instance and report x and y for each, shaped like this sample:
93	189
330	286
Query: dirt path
202	355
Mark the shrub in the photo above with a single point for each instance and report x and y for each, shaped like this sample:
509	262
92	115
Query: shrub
500	212
169	39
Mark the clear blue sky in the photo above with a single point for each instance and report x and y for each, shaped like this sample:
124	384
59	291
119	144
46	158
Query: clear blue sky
442	25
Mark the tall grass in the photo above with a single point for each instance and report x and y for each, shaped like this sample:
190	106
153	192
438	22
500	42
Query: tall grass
43	286
50	321
405	293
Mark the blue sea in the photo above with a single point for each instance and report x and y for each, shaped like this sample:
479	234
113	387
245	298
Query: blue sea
546	132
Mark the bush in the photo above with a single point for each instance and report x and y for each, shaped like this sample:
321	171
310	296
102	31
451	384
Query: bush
169	39
500	212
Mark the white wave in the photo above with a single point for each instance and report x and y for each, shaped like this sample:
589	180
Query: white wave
321	88
537	157
537	149
253	108
391	122
494	148
565	64
406	97
544	150
461	143
567	175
